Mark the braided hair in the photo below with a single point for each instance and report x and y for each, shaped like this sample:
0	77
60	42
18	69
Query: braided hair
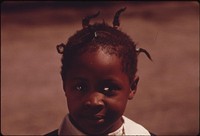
101	35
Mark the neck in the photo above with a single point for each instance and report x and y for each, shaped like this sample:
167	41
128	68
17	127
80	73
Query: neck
116	126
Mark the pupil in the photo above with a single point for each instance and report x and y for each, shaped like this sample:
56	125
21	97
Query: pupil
78	88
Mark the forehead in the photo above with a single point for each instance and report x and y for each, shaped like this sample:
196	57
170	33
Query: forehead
102	57
99	61
99	57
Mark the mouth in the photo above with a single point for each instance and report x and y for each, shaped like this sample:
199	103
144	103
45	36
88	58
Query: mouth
95	119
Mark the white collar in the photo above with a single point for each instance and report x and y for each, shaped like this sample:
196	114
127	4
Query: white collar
129	127
67	128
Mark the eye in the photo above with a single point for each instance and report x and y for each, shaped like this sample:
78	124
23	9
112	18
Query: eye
81	87
110	89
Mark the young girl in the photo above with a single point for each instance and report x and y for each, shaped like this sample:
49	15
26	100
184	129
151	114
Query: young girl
99	65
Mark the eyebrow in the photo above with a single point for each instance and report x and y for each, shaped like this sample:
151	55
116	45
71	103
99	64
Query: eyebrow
113	79
108	79
79	78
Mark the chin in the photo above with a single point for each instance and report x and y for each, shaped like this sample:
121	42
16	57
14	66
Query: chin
96	130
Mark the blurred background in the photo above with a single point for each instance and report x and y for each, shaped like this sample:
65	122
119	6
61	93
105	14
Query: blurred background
167	99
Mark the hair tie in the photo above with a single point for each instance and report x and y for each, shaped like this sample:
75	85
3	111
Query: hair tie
86	20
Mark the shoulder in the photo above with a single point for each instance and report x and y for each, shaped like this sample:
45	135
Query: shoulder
133	128
52	133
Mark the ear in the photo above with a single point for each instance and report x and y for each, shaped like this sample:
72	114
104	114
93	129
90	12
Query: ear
133	87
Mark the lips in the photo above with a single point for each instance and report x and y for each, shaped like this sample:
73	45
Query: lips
99	116
95	119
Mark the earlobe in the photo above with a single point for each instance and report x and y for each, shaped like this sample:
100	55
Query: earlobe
131	94
133	88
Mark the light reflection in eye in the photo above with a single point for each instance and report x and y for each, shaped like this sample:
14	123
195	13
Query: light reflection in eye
79	88
106	89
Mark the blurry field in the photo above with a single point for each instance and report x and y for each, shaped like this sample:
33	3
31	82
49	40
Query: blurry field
32	99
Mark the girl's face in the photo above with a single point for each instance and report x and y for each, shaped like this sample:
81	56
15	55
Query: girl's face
97	92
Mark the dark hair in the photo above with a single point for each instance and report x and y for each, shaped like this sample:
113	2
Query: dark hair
101	35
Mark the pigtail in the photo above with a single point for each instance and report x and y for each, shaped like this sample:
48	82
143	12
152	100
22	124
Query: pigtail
86	20
116	22
139	50
60	48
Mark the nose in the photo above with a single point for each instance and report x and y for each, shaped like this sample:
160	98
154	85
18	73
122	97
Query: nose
94	100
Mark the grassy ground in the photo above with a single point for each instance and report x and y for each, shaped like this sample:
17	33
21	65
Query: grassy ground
167	101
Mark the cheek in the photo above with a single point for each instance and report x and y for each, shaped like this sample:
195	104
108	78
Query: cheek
116	107
74	103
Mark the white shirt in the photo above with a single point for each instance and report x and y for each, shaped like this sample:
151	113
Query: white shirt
129	127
